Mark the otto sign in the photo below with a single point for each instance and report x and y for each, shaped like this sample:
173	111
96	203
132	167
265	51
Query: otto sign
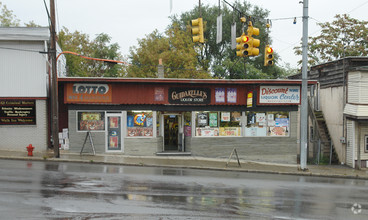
279	95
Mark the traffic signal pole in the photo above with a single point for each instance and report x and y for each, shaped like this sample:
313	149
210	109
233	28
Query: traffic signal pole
304	101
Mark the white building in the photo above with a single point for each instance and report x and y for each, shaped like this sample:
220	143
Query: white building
24	91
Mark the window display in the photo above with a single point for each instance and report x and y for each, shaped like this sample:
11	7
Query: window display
91	121
140	124
267	124
212	124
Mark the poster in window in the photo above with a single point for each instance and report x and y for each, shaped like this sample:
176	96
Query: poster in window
261	118
220	95
114	122
213	119
187	131
282	122
225	116
231	95
235	116
277	131
148	132
91	121
202	119
113	142
149	122
130	121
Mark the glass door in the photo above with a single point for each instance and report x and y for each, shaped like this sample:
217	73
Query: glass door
113	133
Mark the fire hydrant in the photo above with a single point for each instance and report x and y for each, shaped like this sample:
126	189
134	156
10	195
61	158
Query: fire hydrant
30	150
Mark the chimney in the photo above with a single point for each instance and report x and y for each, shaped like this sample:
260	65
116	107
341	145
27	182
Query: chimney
160	69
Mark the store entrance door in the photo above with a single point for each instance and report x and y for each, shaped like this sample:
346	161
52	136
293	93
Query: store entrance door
173	132
113	135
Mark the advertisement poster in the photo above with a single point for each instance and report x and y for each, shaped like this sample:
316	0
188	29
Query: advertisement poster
91	121
130	121
148	132
282	122
113	142
230	131
231	95
235	116
213	119
220	95
202	119
277	131
188	131
261	118
225	116
159	94
114	122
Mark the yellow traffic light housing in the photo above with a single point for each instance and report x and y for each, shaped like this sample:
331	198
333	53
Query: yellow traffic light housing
268	59
253	43
197	30
241	45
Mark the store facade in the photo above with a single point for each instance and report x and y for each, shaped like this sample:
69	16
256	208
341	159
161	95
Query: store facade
206	118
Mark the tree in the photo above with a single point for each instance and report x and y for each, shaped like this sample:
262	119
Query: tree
220	59
100	47
7	18
176	50
343	37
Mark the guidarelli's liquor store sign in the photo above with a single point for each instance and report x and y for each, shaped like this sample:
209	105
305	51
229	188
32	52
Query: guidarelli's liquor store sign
189	96
17	112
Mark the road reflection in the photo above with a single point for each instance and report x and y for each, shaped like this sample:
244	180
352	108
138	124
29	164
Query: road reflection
205	194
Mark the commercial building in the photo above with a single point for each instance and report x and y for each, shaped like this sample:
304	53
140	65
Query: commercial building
259	118
24	76
339	111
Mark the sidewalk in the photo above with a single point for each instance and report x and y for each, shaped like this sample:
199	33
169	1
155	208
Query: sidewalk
193	162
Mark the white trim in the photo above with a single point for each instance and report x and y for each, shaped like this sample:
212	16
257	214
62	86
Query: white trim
353	144
107	132
154	124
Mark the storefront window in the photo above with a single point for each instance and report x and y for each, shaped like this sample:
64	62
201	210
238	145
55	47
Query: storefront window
267	124
91	121
140	123
209	124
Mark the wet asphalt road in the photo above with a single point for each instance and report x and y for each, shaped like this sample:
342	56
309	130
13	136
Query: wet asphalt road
51	190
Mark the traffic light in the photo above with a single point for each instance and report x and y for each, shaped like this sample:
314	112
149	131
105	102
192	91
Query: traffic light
252	44
197	30
241	45
268	59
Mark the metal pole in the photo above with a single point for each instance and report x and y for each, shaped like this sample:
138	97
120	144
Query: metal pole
54	87
304	101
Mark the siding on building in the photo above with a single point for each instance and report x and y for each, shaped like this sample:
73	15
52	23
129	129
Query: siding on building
18	137
23	73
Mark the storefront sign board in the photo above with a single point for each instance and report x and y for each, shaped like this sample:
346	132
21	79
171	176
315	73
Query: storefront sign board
274	95
17	112
88	93
189	96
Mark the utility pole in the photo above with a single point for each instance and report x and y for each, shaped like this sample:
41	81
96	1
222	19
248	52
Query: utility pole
54	86
304	102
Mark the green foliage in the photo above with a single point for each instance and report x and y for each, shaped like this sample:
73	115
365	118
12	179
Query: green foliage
220	59
7	18
176	50
100	47
343	37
